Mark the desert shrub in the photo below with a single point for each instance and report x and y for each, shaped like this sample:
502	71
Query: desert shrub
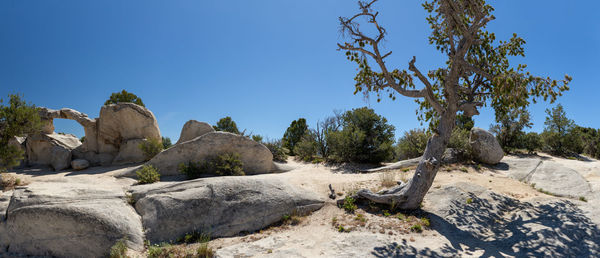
590	138
257	138
294	134
365	137
147	174
306	149
459	139
225	164
279	152
509	128
166	142
349	205
226	124
119	249
17	118
124	96
412	144
151	147
532	142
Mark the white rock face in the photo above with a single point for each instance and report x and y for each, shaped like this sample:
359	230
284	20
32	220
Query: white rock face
66	219
256	157
51	149
486	148
221	206
80	164
192	129
121	122
130	152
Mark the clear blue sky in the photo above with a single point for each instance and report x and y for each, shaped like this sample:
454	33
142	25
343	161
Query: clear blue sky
264	63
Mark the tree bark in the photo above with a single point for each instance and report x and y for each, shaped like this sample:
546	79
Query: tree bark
410	195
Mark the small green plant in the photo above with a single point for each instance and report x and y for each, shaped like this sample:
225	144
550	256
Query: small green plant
130	199
401	216
425	222
204	251
151	147
17	181
464	169
119	249
583	199
147	174
386	213
416	228
341	229
194	237
405	170
349	205
469	200
360	218
333	220
225	164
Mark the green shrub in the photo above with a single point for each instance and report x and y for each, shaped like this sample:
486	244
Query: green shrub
412	144
279	152
532	142
416	228
147	174
294	134
349	205
119	249
257	138
194	237
151	147
366	137
166	142
459	139
124	96
17	118
225	164
306	149
558	136
226	124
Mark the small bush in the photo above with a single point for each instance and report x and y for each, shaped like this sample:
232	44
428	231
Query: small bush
349	205
204	251
532	142
425	222
226	164
416	228
257	138
119	249
279	152
412	144
151	147
194	237
166	142
459	139
306	149
147	174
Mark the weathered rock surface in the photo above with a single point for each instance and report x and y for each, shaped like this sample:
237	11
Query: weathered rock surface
130	152
51	149
222	206
502	226
80	164
19	142
485	147
192	129
256	157
4	201
67	219
122	122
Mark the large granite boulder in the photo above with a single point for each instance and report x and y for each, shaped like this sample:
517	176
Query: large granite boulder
51	149
67	219
121	122
256	157
485	146
192	129
130	152
220	206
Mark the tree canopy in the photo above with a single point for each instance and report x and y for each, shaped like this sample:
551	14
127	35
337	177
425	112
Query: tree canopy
294	133
17	118
226	124
124	96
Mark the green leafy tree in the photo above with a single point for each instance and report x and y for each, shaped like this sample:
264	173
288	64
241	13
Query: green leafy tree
509	128
532	142
166	142
590	139
17	118
124	96
558	135
226	124
324	129
477	72
294	133
412	144
365	137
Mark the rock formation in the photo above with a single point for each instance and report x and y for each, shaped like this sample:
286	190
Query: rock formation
485	146
256	157
192	129
220	206
113	138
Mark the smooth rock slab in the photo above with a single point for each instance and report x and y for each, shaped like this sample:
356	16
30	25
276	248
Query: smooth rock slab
559	180
192	129
220	206
256	157
65	219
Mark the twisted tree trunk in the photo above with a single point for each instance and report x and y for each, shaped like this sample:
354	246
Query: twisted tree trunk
408	196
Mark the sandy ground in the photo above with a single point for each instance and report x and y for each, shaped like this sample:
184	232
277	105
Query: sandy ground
317	235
